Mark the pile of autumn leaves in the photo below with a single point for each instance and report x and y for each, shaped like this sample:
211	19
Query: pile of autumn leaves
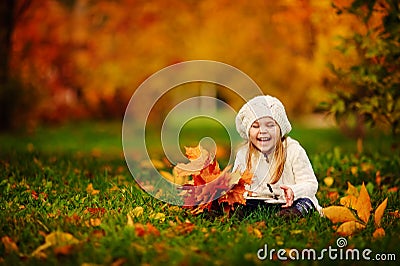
355	211
206	186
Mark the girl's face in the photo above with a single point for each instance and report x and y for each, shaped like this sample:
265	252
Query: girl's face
264	134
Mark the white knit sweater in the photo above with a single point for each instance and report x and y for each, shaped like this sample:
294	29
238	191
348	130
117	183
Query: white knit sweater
298	173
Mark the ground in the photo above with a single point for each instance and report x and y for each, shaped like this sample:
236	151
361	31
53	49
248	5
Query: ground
67	197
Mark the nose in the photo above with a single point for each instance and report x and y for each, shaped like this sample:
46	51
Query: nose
263	129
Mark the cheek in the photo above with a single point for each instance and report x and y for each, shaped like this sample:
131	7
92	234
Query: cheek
253	132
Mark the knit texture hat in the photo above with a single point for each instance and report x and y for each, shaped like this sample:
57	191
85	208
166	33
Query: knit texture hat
261	106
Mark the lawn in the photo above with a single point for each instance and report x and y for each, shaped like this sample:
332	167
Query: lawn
67	197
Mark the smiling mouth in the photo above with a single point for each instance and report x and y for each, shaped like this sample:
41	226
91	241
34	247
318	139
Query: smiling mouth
264	139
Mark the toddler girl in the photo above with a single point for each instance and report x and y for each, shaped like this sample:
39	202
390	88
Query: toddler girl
282	173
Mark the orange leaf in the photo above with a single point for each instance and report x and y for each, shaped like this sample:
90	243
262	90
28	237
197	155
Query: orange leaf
379	233
349	201
64	250
144	230
351	190
91	190
196	164
9	245
247	176
349	228
339	214
379	213
363	205
193	153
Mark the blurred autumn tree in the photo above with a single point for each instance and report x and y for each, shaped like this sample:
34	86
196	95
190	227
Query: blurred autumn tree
368	90
85	58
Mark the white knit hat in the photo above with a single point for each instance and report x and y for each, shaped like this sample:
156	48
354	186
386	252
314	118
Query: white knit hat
261	106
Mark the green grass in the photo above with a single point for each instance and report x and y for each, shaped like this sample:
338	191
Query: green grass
45	176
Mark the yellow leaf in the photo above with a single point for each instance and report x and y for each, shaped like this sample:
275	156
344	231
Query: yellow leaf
349	228
91	190
348	201
152	163
198	161
338	214
354	170
367	167
351	190
328	181
130	221
379	233
379	213
93	222
55	239
60	239
180	180
138	211
158	216
257	233
363	205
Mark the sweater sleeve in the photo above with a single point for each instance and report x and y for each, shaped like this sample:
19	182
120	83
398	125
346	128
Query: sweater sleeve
305	181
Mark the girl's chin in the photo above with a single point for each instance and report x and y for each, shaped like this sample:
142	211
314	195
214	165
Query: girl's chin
266	150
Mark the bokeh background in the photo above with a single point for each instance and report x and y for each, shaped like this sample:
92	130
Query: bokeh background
69	60
84	59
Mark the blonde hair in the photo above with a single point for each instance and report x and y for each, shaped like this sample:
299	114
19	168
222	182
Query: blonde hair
279	159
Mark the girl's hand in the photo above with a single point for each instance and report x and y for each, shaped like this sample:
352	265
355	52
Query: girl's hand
289	196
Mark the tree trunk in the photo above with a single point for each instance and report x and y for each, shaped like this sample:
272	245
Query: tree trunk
6	29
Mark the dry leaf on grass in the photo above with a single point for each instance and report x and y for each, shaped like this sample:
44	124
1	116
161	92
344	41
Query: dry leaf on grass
363	205
379	233
9	245
349	228
91	190
339	214
379	213
348	201
55	239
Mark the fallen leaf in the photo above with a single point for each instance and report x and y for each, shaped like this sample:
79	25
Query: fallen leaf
119	262
91	190
96	211
176	179
9	245
339	214
93	222
64	250
55	239
158	216
354	170
193	153
182	228
395	214
378	178
363	204
333	196
352	190
379	233
196	164
144	230
130	221
349	228
367	167
137	211
379	213
349	201
328	181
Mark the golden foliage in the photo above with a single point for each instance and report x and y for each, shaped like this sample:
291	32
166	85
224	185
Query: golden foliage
361	203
